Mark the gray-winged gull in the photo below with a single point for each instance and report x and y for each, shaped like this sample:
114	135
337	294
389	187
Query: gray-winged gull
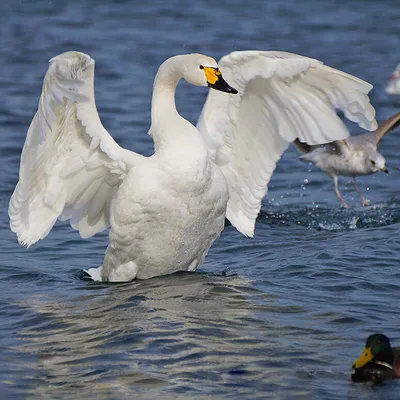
355	156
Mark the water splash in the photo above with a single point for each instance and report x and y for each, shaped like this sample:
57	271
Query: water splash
332	219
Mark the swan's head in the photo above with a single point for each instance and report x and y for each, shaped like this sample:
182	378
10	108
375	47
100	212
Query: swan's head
201	70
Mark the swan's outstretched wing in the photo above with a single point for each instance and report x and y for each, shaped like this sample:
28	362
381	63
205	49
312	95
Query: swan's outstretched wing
281	97
70	165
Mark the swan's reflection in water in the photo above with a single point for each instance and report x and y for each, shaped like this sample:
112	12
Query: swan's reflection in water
186	331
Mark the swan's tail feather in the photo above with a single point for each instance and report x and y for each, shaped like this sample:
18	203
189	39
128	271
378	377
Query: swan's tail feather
94	273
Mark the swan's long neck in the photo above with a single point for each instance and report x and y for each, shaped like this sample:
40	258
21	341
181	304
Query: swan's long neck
166	123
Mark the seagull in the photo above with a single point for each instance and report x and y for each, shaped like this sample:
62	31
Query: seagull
166	210
393	85
355	156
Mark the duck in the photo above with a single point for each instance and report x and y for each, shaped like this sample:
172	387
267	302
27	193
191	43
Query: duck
393	84
165	211
355	156
378	360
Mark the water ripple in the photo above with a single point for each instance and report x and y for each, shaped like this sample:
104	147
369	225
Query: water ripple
331	219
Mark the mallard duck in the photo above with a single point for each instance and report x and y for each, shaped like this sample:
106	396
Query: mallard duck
378	360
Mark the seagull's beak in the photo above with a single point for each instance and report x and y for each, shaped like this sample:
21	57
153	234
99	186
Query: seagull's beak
385	170
216	81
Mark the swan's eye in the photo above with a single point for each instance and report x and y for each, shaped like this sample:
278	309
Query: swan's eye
201	67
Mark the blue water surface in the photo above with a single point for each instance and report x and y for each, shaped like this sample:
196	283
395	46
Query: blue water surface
280	316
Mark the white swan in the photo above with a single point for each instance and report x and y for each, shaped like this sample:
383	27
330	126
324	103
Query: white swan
166	210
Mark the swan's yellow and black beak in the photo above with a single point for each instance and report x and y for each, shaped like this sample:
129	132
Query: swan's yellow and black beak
366	357
216	81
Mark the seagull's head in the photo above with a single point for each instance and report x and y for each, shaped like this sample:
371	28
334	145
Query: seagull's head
376	162
201	70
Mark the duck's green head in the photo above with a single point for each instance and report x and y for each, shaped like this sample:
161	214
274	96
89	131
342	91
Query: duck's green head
377	349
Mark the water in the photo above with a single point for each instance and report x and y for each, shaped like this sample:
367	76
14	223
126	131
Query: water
280	316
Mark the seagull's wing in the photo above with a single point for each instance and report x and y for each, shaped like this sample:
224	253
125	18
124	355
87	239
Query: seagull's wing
302	147
281	97
70	165
390	124
335	147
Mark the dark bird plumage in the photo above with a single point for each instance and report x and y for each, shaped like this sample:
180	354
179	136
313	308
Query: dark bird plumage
378	361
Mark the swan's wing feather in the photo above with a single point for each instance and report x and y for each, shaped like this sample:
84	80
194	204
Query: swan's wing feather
281	97
70	166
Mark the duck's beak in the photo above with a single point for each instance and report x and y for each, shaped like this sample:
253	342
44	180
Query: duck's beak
366	357
216	81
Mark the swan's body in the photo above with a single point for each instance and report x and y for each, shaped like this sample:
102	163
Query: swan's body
355	156
165	211
165	236
393	85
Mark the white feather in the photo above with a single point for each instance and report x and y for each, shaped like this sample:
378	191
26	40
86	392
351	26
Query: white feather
72	169
282	97
63	172
393	85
